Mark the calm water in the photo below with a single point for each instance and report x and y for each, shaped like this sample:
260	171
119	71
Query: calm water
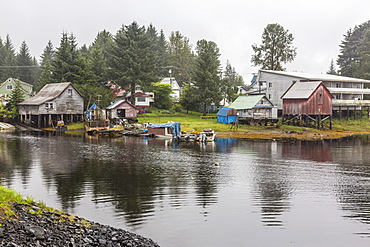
261	194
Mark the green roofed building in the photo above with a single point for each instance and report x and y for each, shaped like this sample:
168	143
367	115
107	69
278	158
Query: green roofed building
254	107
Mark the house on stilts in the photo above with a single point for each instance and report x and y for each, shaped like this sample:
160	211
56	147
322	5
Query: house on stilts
55	102
308	104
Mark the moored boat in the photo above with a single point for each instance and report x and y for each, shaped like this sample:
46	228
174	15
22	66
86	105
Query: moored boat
207	135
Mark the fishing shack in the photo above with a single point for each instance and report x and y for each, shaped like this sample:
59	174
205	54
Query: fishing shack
53	104
308	104
122	110
255	110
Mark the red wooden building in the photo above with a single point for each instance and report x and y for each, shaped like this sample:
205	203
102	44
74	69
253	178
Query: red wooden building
307	104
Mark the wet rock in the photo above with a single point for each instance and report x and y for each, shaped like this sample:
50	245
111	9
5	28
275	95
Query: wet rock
55	229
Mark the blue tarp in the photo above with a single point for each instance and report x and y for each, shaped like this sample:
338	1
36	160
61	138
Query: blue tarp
175	127
222	116
92	107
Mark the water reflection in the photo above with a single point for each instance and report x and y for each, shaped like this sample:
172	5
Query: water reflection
140	179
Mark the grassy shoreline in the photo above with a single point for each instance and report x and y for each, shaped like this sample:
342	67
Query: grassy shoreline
193	122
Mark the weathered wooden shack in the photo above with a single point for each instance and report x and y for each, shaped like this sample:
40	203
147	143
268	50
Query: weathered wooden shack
53	103
122	109
255	110
307	104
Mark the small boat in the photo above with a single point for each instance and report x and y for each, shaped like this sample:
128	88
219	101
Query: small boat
207	135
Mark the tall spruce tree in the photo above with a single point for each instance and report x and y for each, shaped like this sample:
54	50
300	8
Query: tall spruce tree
68	65
180	56
9	60
207	75
276	48
47	57
131	59
25	65
353	48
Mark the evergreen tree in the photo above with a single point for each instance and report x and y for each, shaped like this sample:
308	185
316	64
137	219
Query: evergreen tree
352	51
47	57
363	67
9	59
25	65
276	48
180	56
206	75
131	59
229	84
97	62
68	65
16	97
163	57
332	70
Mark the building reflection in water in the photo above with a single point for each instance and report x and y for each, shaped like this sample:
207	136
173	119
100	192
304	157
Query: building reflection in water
140	176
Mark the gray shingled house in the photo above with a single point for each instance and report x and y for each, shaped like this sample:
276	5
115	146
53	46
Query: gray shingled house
53	103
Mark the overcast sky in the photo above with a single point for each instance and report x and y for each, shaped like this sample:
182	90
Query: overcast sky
318	26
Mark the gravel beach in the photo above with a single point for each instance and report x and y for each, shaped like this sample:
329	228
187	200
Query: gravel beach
33	226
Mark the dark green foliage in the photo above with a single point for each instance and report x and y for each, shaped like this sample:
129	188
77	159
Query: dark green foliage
162	95
131	58
68	65
352	60
276	48
8	58
98	94
46	66
26	65
16	97
207	75
190	100
332	70
181	57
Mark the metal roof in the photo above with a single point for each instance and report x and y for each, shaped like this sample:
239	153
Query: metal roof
117	103
317	77
248	102
47	93
301	90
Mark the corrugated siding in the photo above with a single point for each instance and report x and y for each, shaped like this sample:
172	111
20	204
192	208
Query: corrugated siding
320	102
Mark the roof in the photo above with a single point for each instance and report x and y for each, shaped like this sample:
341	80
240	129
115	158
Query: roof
172	82
117	103
17	81
21	83
175	127
248	102
137	94
223	111
48	93
301	90
317	77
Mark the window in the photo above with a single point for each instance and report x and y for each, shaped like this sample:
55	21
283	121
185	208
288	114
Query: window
270	84
9	87
49	105
269	96
337	96
140	99
337	85
69	92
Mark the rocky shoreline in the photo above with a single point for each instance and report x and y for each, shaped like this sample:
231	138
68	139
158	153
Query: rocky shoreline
35	226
